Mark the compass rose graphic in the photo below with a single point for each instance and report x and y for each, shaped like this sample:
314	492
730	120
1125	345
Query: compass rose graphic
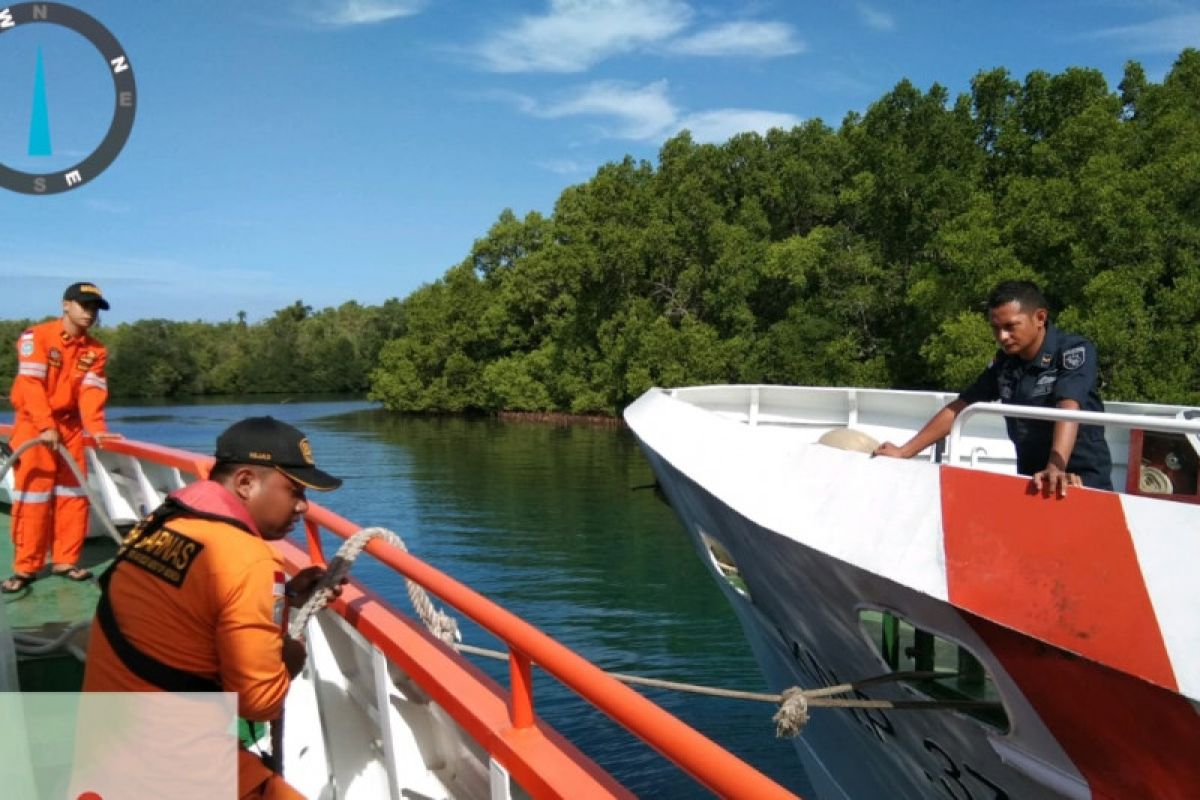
124	100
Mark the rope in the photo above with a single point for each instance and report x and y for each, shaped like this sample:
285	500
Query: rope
795	702
28	644
439	623
639	680
69	460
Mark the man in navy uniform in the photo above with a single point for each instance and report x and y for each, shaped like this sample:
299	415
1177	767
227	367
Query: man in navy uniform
1037	365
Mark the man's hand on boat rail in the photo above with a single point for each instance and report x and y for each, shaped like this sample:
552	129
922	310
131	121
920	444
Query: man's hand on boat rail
106	436
1053	480
302	584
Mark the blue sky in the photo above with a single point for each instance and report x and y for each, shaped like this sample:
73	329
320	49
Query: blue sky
330	150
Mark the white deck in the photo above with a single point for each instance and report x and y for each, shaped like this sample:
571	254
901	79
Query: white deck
804	413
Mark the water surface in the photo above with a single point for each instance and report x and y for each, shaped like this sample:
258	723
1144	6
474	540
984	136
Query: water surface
543	521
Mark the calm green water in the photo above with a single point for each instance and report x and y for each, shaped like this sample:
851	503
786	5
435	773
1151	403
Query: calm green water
542	520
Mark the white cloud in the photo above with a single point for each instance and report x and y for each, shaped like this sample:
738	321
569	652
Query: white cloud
575	34
759	39
641	112
346	13
1164	35
561	166
646	113
718	125
876	19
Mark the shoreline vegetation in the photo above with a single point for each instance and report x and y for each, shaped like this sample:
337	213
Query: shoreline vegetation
857	255
560	419
551	418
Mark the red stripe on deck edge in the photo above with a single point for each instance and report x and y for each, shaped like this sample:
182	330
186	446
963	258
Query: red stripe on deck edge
1062	570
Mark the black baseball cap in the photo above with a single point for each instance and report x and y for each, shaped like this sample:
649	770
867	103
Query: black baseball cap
84	292
271	443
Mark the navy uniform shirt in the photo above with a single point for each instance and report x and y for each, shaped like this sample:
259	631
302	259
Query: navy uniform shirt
1065	369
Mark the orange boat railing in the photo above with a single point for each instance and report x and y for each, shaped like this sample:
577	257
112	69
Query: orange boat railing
505	723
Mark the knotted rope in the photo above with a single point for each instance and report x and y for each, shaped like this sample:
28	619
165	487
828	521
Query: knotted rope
792	715
794	703
439	623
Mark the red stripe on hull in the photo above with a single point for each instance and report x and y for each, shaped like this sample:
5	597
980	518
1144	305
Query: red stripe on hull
1060	570
1129	739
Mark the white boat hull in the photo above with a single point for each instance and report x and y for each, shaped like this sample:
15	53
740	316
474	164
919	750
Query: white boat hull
816	539
804	632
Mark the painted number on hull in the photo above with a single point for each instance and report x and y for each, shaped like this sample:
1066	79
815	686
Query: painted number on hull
872	719
954	781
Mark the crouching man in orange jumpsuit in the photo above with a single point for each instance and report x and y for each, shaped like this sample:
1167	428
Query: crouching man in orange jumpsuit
58	393
194	598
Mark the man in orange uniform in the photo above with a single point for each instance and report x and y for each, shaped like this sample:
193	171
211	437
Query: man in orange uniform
59	392
194	598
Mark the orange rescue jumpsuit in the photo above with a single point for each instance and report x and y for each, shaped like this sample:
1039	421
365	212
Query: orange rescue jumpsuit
60	384
203	596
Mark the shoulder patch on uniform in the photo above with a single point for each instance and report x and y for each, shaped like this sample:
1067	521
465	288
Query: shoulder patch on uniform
27	334
1074	358
26	347
166	554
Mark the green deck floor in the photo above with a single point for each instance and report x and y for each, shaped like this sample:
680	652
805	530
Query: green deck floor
46	607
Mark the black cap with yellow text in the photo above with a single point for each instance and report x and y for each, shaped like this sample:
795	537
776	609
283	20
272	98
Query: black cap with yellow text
268	442
84	292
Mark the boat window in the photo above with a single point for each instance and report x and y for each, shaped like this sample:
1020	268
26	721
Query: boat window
726	567
960	675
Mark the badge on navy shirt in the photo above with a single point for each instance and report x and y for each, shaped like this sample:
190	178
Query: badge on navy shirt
1074	358
1047	359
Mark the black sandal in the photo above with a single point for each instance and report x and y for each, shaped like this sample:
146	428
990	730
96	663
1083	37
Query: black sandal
73	573
16	582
